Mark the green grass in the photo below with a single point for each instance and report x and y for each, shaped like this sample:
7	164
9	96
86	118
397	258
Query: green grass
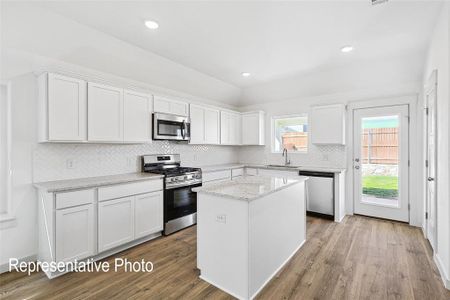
380	186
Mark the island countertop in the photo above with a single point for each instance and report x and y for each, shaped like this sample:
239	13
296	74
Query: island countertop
249	187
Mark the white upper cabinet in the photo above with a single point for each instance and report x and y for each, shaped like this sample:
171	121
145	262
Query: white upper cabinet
328	124
197	118
105	113
253	128
212	126
170	106
230	128
205	123
63	108
136	117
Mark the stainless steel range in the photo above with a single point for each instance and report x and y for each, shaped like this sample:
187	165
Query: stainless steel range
180	202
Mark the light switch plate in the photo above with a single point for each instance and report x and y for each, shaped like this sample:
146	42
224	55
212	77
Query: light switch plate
221	218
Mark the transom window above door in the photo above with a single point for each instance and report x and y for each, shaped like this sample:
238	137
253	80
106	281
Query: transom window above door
290	132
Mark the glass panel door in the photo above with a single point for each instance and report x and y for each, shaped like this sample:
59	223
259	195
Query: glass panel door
379	160
381	154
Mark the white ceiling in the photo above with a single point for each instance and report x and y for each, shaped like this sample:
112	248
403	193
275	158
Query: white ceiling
271	40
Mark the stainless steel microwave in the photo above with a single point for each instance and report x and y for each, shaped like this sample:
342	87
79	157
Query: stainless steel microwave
171	127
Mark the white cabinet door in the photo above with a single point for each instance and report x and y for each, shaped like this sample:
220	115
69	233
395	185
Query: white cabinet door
225	127
197	116
105	113
170	106
328	124
115	222
75	233
236	129
148	214
136	117
67	108
253	128
230	128
212	125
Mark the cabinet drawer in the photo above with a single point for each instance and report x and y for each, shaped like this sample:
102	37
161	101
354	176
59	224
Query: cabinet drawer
123	190
76	198
218	175
237	172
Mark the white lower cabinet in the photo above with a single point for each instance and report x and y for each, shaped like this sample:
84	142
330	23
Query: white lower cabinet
115	222
75	232
148	217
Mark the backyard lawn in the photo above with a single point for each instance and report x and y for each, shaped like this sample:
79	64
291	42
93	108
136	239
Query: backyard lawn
381	186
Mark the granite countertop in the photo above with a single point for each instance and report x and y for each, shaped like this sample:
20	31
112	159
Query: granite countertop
249	188
91	182
215	168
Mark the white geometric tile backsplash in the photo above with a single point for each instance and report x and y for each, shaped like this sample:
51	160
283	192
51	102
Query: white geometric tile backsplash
333	156
50	160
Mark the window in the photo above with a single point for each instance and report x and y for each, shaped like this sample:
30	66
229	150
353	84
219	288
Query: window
290	132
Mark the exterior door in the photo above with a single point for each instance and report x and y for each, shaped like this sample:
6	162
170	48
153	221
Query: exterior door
381	162
431	213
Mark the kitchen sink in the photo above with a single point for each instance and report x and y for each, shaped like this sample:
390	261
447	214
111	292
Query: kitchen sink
283	166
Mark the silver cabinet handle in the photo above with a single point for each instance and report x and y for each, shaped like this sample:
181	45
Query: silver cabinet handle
357	167
430	179
357	159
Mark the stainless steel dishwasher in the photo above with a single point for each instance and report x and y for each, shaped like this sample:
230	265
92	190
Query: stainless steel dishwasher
319	193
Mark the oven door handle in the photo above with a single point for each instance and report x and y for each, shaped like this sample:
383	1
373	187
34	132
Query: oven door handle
192	183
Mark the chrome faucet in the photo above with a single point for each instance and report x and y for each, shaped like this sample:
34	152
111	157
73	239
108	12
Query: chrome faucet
285	154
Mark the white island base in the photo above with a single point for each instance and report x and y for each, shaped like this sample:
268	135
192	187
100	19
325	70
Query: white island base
242	243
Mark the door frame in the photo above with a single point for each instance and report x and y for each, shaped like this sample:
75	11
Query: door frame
430	86
400	213
415	153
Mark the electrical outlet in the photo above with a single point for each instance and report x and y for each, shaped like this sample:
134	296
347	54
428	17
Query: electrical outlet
70	164
195	157
221	218
325	157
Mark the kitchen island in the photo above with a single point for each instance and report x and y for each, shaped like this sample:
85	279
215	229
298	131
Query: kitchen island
247	229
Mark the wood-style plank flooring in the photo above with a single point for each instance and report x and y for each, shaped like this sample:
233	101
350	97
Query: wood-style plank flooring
361	258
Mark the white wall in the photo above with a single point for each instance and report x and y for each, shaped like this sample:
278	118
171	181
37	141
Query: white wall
438	59
19	238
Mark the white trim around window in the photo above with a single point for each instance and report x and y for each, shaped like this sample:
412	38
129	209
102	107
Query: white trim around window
7	215
272	132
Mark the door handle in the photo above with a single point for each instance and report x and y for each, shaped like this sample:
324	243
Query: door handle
430	179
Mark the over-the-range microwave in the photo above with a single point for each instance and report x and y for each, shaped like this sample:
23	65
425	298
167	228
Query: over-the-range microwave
171	127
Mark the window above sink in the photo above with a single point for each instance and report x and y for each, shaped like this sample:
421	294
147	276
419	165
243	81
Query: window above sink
291	133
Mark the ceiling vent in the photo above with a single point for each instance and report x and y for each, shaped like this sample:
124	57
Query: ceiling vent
375	2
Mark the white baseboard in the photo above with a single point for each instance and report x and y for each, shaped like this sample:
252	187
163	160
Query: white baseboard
444	275
5	267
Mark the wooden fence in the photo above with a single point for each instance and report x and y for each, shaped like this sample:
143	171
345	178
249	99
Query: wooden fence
297	141
380	146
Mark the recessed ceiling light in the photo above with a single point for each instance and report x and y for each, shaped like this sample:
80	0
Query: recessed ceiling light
347	49
245	74
151	24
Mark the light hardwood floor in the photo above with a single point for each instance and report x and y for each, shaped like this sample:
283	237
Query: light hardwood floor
361	258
